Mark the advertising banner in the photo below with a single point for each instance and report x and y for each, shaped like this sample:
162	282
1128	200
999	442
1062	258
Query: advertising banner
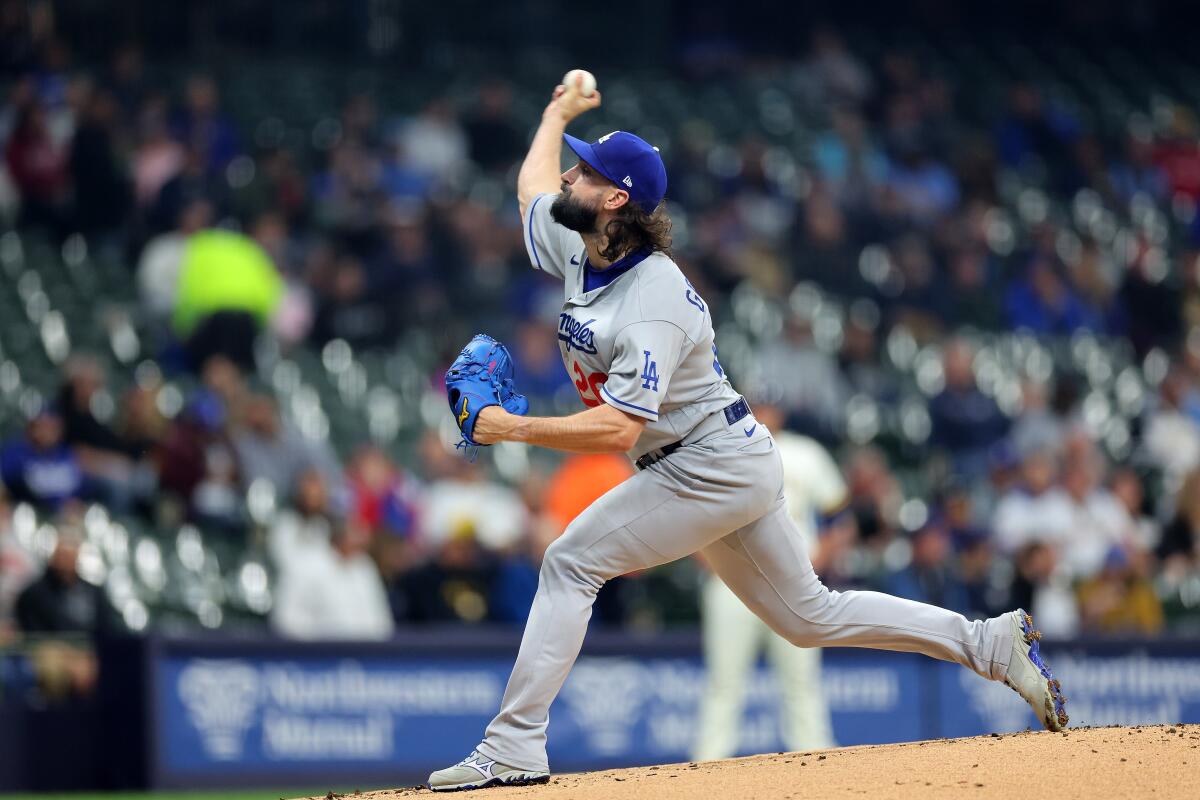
378	713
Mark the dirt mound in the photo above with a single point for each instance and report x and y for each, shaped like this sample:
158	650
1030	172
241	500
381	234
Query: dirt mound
1142	762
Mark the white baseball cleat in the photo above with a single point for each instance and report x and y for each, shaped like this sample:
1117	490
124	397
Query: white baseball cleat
477	771
1031	678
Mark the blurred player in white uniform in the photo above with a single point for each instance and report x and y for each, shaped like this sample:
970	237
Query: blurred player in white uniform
817	498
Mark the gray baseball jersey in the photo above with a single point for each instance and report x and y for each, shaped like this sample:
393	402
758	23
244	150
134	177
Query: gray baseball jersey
642	342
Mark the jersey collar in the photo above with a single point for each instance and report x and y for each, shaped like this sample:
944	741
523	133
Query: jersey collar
592	281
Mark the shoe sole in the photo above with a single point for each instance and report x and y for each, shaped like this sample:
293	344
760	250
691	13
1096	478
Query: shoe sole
1056	705
462	787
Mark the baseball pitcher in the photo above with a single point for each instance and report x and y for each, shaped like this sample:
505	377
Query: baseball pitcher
637	340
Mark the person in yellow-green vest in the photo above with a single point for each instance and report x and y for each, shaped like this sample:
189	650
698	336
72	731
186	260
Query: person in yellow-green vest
228	290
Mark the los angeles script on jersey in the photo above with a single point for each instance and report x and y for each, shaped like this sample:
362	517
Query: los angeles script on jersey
577	335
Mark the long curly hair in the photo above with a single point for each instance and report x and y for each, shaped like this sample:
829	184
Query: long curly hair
633	229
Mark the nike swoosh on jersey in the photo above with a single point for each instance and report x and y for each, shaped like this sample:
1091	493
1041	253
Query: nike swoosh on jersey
749	431
575	260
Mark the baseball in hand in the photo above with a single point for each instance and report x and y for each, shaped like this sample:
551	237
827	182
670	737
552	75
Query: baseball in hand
586	87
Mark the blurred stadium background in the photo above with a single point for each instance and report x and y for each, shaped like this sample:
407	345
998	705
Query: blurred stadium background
956	243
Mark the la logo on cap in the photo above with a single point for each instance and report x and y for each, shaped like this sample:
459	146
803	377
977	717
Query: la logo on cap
606	137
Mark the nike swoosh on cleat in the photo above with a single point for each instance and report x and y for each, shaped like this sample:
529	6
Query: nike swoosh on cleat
750	431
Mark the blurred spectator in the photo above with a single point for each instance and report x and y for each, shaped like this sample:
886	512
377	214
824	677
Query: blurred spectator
1179	549
268	448
539	372
1033	136
1030	512
127	78
1043	303
108	461
158	158
196	463
511	594
60	601
333	591
925	187
1150	303
1041	588
1171	437
833	74
1119	599
1136	172
986	580
344	307
455	584
930	576
1126	487
496	143
810	388
140	424
1082	519
463	501
348	194
433	142
966	422
1097	522
99	168
875	496
384	497
161	261
58	608
201	125
1044	421
39	467
18	568
924	303
579	481
849	162
191	182
38	166
307	522
824	253
1178	154
859	359
228	290
277	186
973	289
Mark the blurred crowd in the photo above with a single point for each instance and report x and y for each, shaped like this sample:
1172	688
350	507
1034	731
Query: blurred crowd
900	207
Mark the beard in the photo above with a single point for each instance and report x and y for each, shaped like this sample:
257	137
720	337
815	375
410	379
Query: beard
572	214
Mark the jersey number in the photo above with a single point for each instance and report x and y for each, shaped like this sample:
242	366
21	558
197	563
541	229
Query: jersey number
649	373
588	385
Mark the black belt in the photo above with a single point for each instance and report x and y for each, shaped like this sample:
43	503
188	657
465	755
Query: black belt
735	411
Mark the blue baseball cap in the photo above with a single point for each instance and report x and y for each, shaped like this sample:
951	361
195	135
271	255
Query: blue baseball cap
628	161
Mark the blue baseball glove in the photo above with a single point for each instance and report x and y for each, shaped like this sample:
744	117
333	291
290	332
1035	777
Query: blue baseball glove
481	376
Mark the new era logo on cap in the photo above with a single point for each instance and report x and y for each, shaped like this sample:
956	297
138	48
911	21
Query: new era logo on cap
620	154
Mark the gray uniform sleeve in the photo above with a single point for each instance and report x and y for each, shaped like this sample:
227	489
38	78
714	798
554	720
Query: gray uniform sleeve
645	355
550	245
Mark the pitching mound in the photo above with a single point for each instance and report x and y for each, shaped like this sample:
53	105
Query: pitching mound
1147	761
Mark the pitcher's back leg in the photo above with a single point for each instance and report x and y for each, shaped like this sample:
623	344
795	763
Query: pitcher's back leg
765	564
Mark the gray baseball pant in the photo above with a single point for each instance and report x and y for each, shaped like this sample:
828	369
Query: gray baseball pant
722	496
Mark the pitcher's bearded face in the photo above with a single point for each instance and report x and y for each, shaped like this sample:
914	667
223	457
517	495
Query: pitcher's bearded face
572	213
